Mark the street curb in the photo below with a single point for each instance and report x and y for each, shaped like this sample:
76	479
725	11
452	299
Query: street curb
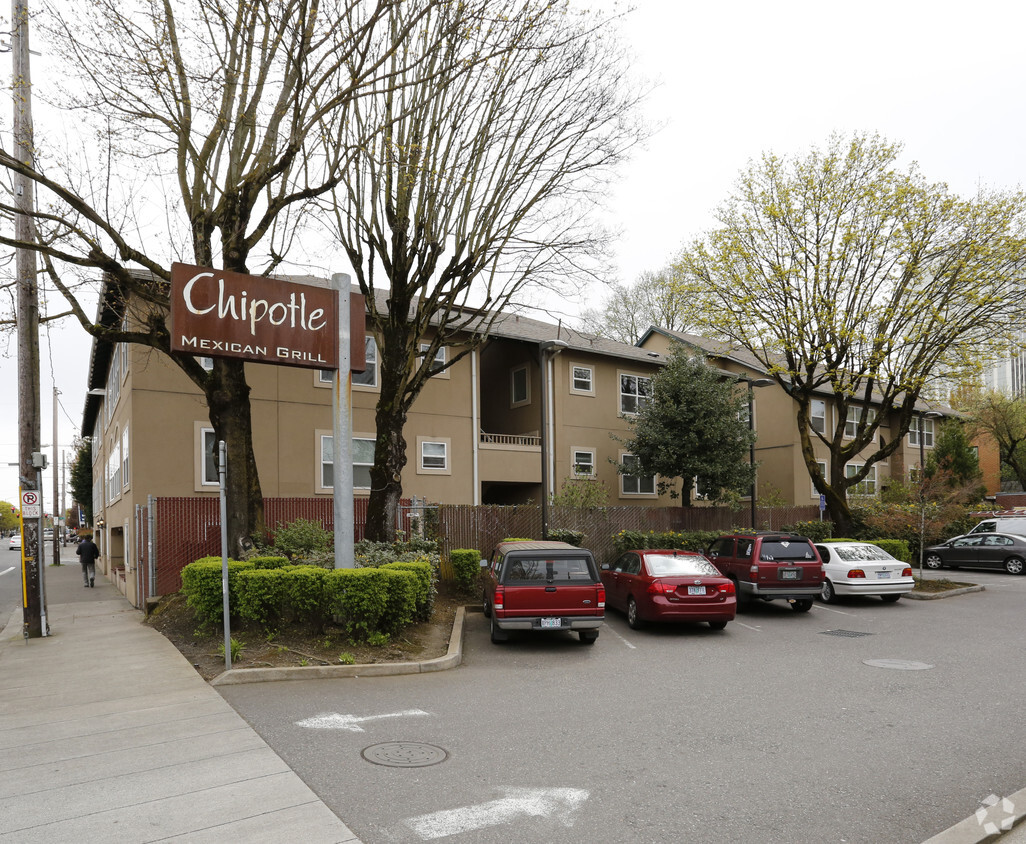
452	658
973	829
950	593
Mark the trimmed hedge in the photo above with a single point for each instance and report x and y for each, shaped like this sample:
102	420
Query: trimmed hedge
567	535
466	566
693	540
817	531
363	601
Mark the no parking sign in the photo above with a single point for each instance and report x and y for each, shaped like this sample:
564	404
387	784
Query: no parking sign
31	505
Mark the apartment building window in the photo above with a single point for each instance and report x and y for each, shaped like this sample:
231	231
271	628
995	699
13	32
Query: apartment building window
124	458
582	379
851	423
208	460
363	460
631	484
817	415
206	362
438	362
583	462
823	471
635	392
867	486
369	377
919	424
519	386
114	467
433	456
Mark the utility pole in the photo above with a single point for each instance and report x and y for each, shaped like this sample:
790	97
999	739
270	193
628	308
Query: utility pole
33	602
57	513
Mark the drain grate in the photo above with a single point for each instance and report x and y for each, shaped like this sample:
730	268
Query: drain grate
404	754
850	634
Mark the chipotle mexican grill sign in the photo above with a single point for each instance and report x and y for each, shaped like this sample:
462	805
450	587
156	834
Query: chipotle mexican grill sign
217	313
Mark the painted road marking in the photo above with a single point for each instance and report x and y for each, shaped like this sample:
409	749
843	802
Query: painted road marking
560	803
830	609
621	638
6	571
338	721
756	629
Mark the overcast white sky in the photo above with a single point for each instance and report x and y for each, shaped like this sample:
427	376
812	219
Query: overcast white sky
737	78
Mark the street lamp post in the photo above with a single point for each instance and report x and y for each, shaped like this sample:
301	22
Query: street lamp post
547	349
752	383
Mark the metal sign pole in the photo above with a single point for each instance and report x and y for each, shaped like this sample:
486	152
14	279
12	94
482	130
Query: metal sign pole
222	452
342	434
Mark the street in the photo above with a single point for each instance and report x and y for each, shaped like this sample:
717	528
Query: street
775	729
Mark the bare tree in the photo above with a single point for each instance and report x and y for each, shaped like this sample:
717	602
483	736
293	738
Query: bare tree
656	298
482	185
195	119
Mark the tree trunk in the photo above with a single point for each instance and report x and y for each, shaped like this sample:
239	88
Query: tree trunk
227	397
386	475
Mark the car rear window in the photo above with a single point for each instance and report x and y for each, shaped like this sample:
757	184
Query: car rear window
786	549
857	553
665	565
548	570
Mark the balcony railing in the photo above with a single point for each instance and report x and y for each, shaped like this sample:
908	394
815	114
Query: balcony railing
511	439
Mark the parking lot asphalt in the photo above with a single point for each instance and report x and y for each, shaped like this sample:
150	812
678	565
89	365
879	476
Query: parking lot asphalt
111	735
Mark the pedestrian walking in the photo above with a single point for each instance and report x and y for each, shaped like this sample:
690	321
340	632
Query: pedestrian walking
87	556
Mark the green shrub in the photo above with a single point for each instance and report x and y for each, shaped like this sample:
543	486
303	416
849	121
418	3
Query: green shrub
201	583
306	593
269	562
370	600
693	540
262	598
466	566
424	596
567	535
817	531
301	538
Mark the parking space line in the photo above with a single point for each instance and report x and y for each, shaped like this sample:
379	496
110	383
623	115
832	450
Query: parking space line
5	571
756	629
621	638
830	609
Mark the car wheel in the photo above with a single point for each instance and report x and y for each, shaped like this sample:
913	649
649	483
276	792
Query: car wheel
827	595
498	635
717	625
486	606
588	637
933	561
1014	565
632	614
802	604
889	599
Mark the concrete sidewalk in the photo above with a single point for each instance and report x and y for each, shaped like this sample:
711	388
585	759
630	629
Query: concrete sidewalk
108	734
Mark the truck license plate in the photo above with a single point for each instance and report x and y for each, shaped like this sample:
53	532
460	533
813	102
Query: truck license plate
789	574
551	623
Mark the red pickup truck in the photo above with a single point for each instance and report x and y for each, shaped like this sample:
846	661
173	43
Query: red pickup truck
533	585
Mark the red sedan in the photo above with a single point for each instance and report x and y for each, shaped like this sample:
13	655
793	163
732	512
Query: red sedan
669	585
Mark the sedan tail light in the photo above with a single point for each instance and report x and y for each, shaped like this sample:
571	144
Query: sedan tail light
499	600
728	588
657	587
906	572
856	573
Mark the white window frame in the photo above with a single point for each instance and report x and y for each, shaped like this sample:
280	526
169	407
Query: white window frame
206	362
927	429
204	481
868	485
124	458
851	423
636	396
326	438
575	462
440	359
433	443
526	399
588	390
639	492
818	404
371	363
823	469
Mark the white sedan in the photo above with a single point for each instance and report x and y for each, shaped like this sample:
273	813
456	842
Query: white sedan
15	544
861	568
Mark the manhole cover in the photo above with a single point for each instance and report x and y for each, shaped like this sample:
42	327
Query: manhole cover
897	664
404	754
851	634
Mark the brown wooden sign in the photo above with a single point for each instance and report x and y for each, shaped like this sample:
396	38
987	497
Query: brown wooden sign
217	313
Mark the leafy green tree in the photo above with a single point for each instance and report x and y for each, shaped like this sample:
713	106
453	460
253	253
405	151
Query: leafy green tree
8	516
694	428
841	272
82	477
953	455
1004	420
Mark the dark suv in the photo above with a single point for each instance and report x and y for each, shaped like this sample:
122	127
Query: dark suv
770	566
543	586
